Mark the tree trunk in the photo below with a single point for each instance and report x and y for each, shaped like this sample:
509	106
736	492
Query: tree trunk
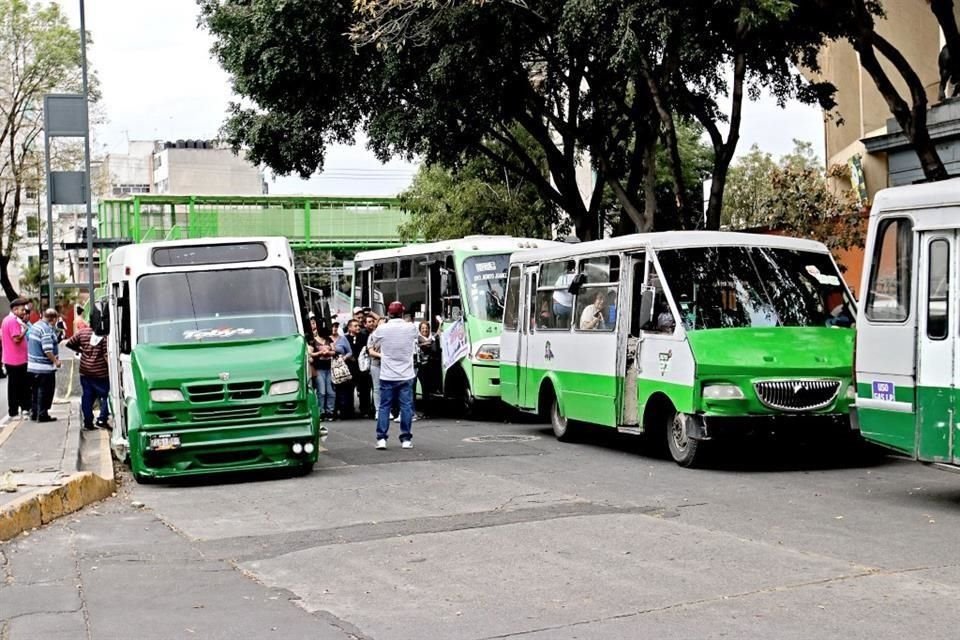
8	289
721	168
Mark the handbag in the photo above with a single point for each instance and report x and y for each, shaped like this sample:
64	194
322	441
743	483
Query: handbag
339	371
363	360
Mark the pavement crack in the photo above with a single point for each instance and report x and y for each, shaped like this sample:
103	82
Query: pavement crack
688	604
84	610
5	568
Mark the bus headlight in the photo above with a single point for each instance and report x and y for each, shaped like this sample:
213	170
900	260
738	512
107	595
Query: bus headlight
284	387
722	392
488	352
166	395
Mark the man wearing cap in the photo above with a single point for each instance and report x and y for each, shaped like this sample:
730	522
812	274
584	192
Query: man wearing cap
43	360
398	342
13	332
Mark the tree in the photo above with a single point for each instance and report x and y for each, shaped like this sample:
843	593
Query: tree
39	54
478	198
453	80
795	195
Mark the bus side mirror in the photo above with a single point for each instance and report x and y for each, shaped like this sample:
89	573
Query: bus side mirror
646	307
578	281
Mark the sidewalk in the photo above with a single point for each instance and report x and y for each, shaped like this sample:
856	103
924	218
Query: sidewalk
56	467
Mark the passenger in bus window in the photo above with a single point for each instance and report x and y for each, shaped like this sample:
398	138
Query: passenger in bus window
562	298
611	318
592	317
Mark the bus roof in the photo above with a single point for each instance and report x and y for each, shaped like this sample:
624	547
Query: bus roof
945	193
491	244
672	240
139	254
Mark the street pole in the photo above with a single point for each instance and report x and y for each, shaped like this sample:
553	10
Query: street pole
86	150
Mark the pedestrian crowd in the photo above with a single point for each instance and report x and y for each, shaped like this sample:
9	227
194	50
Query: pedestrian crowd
31	358
371	368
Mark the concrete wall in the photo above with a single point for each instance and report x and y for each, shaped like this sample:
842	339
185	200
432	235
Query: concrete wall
206	171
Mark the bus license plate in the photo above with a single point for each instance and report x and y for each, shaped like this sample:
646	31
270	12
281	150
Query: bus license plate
164	441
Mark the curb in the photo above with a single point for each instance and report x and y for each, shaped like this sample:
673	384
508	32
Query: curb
42	506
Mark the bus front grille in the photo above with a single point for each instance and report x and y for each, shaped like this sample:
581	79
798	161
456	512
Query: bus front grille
205	392
244	390
211	415
797	395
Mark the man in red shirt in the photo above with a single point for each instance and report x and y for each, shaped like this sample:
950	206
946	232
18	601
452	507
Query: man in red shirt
13	332
94	375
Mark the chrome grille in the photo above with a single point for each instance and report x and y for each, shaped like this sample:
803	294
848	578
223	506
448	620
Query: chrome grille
797	395
210	415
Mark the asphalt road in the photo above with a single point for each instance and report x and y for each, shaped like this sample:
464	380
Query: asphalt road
494	530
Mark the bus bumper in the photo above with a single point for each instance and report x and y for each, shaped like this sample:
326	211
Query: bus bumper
224	449
485	380
702	427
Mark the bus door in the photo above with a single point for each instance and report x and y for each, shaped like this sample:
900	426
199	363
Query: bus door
937	365
628	338
527	395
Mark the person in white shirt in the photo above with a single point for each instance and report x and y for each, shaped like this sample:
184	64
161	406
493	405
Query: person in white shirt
592	317
562	298
397	343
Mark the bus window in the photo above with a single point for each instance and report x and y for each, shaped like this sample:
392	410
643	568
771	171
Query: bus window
512	306
888	293
554	300
485	281
597	308
663	320
938	296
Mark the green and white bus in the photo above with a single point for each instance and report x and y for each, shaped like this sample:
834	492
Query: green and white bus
908	354
208	368
690	335
457	280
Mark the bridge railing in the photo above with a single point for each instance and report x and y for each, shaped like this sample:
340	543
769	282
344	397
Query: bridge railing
308	222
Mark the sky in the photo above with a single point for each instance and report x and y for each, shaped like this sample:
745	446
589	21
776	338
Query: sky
159	81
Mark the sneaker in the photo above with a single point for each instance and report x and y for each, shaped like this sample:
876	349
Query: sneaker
381	444
406	444
397	419
90	427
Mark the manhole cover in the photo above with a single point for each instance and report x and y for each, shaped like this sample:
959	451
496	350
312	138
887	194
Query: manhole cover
501	438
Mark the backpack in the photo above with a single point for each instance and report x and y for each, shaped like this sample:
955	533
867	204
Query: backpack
339	371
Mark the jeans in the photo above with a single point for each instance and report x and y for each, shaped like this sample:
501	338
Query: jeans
94	389
326	396
18	389
44	386
404	390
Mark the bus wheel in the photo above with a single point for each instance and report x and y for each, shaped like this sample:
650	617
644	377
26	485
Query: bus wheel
465	402
563	429
685	451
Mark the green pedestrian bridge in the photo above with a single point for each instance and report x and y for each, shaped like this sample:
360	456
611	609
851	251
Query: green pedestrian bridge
308	222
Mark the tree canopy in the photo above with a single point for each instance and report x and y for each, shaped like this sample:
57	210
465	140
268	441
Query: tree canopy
794	194
450	81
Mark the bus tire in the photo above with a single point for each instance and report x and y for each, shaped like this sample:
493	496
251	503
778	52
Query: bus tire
564	429
685	451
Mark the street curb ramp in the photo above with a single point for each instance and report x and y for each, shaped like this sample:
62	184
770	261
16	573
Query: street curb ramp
41	506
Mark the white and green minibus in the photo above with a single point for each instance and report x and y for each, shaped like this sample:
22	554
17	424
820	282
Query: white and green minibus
688	335
459	280
908	353
208	366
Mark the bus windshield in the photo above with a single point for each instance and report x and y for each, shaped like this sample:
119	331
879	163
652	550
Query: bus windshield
727	287
485	283
214	306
